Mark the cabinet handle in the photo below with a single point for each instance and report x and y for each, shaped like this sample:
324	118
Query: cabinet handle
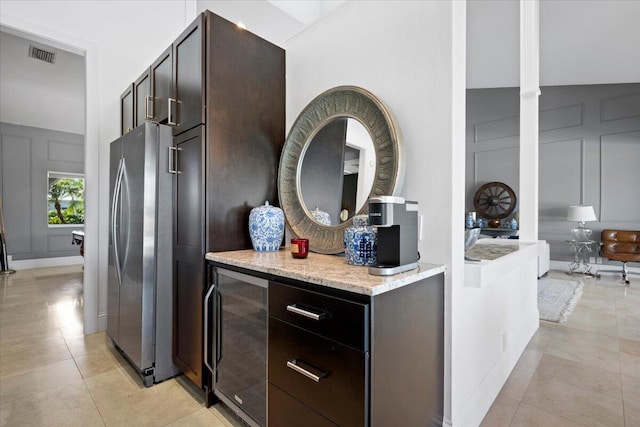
302	312
169	113
148	99
293	364
173	160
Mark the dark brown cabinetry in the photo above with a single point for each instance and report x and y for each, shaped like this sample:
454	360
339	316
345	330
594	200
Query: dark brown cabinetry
223	91
339	358
127	117
319	353
186	160
186	105
228	109
141	93
161	72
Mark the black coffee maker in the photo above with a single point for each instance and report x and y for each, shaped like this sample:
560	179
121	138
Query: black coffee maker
396	221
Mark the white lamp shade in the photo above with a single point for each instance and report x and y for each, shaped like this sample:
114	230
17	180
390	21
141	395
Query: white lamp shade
581	214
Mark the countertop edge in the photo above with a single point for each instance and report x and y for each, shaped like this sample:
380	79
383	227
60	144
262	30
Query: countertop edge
376	285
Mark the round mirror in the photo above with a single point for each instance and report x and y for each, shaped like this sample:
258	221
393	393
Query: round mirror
341	150
337	171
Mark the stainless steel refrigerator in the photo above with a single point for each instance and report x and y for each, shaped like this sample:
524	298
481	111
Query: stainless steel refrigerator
140	296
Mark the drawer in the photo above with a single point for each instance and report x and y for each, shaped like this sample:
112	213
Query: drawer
285	411
340	388
334	318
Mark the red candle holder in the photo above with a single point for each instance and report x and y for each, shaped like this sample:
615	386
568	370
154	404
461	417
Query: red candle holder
299	248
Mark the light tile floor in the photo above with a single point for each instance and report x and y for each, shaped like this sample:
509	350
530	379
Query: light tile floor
582	372
53	375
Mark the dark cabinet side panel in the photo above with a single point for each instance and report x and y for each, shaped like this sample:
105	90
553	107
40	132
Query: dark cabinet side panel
245	126
408	354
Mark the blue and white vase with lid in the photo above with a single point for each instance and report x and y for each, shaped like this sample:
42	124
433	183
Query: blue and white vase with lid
266	227
360	242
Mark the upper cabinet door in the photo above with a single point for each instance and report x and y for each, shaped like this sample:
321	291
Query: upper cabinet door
161	82
186	109
126	111
142	94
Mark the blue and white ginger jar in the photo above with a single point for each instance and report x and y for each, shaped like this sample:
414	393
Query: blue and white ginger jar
361	242
266	227
321	216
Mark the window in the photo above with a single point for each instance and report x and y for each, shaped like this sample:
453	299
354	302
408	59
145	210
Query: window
65	199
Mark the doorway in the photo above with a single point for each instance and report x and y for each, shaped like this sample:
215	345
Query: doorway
89	52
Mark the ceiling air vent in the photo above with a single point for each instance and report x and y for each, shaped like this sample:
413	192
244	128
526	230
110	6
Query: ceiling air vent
42	55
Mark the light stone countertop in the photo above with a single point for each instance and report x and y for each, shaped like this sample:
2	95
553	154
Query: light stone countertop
325	270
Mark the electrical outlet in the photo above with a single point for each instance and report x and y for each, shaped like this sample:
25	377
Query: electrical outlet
505	342
592	260
599	260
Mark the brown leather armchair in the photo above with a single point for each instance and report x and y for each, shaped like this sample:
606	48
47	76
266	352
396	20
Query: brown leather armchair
620	245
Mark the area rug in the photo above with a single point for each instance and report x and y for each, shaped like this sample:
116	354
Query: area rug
557	298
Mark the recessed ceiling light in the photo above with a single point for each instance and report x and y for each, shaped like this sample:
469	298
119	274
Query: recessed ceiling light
241	25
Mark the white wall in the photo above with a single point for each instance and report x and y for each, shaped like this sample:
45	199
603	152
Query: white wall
119	40
572	34
402	52
38	94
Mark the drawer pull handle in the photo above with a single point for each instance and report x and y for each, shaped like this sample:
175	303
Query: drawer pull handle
293	364
294	308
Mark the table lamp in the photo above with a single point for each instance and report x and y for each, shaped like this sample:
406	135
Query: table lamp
581	214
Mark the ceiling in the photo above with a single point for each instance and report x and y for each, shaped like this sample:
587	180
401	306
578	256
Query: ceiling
273	20
37	93
581	42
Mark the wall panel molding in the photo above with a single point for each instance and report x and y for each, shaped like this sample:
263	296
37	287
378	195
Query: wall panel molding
620	177
620	107
62	151
497	129
28	153
561	117
589	147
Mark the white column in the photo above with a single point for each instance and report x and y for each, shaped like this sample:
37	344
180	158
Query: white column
529	92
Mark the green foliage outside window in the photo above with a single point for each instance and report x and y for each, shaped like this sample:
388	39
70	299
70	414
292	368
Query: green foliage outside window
66	200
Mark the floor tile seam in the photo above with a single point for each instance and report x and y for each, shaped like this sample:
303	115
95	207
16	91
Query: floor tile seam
594	332
29	368
588	345
596	395
93	400
547	412
513	416
585	366
590	365
533	404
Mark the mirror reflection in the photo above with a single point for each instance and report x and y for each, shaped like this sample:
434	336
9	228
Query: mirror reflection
337	171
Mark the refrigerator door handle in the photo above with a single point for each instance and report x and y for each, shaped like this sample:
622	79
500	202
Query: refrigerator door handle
124	185
207	297
114	210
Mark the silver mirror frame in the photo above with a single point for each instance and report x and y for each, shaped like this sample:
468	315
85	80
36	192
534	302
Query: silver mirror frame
342	101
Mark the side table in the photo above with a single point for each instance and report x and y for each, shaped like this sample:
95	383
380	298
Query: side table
581	250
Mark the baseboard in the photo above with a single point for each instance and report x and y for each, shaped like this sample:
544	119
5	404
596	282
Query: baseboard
485	394
102	322
24	264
